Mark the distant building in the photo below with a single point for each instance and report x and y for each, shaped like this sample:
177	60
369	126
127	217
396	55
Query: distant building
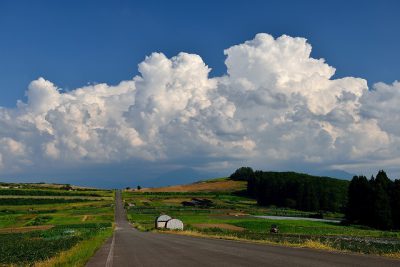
166	222
198	202
174	224
161	221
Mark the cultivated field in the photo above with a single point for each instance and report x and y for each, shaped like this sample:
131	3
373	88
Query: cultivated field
48	225
231	215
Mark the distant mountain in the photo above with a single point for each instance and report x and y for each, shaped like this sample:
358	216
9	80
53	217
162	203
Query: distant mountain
179	177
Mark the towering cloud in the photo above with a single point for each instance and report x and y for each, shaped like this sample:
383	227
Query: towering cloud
276	107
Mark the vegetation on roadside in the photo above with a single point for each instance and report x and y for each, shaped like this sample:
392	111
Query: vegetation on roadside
28	248
53	230
80	253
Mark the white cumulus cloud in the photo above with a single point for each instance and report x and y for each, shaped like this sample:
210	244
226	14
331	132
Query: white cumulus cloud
276	107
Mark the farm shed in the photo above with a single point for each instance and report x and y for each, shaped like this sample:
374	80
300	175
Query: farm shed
198	202
162	220
174	224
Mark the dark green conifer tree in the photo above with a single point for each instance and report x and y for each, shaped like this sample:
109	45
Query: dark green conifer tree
395	203
359	200
381	215
242	174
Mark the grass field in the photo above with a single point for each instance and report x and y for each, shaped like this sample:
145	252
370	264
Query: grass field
231	216
47	225
214	185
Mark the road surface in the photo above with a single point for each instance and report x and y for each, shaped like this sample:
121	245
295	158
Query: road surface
130	247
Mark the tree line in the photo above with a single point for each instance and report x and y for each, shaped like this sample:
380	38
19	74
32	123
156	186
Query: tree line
294	190
374	202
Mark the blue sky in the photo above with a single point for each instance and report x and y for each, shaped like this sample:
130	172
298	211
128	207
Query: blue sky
74	43
277	109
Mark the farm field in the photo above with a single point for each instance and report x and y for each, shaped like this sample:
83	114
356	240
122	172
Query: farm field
231	215
47	225
212	185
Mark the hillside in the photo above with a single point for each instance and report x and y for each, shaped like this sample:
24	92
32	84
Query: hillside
213	185
282	189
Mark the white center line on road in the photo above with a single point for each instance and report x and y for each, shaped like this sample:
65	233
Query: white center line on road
110	257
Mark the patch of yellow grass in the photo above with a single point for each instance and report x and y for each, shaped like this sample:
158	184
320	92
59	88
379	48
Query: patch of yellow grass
395	255
219	225
308	244
317	245
25	229
226	237
175	200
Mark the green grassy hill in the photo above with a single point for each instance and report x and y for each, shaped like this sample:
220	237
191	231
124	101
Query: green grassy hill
211	185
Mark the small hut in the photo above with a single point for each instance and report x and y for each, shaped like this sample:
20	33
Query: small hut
174	224
161	221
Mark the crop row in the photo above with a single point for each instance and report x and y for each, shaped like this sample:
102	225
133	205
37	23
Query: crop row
27	248
38	201
33	192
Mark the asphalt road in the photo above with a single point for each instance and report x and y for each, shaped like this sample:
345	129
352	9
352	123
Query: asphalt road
129	247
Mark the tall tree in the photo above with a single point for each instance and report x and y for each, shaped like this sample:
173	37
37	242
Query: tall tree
242	174
381	215
395	203
359	200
